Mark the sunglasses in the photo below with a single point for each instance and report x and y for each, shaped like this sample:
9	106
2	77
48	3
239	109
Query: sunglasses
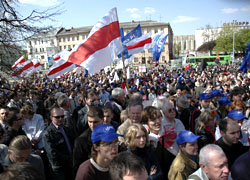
171	110
58	117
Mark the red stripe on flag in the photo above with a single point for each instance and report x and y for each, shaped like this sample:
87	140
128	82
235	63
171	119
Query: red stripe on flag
57	58
59	68
98	40
27	66
37	65
20	62
140	44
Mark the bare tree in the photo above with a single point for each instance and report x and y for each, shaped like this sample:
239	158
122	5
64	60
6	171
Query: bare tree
15	28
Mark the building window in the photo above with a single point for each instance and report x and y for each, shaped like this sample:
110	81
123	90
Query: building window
150	50
156	30
64	47
69	47
60	48
163	50
59	39
36	50
73	38
64	39
136	60
148	30
163	58
68	38
42	56
30	43
77	38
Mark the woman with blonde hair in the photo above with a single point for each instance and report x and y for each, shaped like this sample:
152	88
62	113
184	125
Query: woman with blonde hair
137	141
206	128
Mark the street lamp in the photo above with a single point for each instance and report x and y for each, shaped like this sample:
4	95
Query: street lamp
234	21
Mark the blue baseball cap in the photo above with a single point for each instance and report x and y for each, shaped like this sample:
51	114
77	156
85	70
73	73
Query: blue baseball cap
236	114
104	132
205	96
186	137
224	101
215	93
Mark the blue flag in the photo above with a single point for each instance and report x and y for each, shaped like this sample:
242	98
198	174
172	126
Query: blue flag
158	47
135	33
245	65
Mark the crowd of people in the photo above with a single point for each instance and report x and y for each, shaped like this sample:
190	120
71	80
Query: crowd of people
165	124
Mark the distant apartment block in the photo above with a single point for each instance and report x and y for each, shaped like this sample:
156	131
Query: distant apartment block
186	44
42	47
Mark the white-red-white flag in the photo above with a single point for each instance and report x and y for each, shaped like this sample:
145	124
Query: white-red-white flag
102	45
61	67
37	65
24	69
60	54
19	61
139	44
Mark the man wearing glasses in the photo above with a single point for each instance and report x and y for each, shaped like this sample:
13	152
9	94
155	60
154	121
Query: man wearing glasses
105	148
58	142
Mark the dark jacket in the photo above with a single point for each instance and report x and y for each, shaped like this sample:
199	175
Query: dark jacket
82	149
150	159
56	147
241	167
232	152
10	134
164	157
82	120
206	137
184	116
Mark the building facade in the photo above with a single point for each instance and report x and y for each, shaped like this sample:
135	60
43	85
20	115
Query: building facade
183	45
42	47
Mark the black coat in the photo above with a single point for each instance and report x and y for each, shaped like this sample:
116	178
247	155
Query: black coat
82	149
206	137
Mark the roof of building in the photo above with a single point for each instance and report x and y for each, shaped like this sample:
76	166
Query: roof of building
125	25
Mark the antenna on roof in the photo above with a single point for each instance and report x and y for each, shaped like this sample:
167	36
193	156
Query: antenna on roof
160	17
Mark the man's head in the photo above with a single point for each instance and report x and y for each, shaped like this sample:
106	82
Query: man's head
57	116
95	116
187	141
127	166
230	131
182	103
19	149
14	118
236	94
135	111
119	95
63	101
92	98
22	171
105	143
108	115
213	162
3	113
205	100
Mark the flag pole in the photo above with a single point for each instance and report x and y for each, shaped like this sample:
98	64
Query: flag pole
126	79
